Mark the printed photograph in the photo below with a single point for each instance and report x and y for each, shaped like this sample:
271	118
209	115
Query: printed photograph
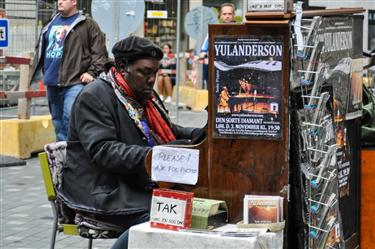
263	211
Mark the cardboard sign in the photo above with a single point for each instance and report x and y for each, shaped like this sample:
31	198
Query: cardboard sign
175	165
171	209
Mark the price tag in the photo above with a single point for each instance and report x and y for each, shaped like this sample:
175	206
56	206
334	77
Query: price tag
171	209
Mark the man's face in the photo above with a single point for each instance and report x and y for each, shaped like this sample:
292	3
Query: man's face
67	7
60	34
227	14
141	77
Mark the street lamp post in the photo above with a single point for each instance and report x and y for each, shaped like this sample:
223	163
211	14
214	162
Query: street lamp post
178	31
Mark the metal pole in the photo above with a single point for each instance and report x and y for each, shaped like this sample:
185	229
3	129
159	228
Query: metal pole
36	23
200	45
33	102
178	56
117	21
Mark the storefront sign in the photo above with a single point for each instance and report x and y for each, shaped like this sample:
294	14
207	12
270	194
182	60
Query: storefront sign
270	5
157	14
248	87
3	33
171	209
176	165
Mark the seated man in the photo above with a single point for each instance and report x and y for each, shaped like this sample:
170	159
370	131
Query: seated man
115	122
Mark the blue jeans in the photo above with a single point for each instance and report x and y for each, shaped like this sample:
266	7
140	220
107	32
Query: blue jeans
128	221
60	101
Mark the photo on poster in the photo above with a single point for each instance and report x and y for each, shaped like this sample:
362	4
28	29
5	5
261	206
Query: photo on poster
343	158
354	109
248	87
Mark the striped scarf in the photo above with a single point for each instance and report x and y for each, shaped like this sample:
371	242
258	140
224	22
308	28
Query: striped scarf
158	125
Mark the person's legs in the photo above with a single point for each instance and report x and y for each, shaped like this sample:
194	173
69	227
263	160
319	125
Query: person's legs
160	87
128	221
55	104
168	89
122	241
70	94
205	76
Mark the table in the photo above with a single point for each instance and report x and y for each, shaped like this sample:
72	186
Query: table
143	236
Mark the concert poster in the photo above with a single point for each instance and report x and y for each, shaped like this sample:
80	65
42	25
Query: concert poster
344	74
248	87
337	35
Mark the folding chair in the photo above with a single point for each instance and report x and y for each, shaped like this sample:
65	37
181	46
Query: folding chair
68	229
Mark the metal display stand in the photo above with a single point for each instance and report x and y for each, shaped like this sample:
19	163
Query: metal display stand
325	160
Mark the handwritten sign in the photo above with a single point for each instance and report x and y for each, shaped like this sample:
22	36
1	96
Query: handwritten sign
270	5
176	165
171	209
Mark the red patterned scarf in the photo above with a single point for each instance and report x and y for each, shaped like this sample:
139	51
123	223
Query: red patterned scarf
154	119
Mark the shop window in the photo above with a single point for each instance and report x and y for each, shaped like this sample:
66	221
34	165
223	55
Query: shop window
160	25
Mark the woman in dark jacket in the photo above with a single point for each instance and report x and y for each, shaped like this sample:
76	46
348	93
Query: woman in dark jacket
115	122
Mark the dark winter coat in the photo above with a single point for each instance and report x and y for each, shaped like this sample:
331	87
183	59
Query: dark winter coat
105	170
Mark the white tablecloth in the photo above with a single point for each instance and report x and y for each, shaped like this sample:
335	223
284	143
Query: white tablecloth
142	236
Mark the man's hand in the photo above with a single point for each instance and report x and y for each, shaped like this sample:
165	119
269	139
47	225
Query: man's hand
86	78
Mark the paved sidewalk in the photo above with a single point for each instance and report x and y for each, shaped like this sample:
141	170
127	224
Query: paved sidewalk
25	213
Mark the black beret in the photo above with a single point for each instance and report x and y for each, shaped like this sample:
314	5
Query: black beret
134	48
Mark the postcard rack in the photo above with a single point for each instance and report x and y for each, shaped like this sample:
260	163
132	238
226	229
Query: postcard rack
319	177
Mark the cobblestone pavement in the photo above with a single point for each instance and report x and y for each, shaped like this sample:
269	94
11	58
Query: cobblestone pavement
25	213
